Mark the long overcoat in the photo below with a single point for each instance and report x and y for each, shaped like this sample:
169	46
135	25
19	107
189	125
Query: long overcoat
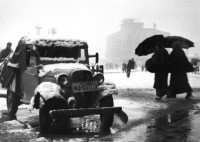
161	60
179	66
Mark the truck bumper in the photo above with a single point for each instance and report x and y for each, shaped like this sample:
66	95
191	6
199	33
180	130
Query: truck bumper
83	111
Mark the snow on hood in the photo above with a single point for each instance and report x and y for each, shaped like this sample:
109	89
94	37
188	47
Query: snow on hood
64	66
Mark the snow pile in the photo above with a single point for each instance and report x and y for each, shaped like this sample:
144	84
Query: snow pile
16	131
68	43
14	124
48	90
62	66
41	139
21	131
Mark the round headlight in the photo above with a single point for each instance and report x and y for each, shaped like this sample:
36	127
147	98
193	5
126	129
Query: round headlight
62	80
99	78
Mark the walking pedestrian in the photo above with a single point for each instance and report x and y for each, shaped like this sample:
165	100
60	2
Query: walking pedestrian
130	65
161	60
124	66
179	66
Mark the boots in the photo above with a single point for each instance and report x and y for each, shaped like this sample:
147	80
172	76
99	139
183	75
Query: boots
171	95
189	95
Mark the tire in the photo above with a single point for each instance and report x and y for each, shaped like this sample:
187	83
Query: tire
107	119
44	119
12	102
45	107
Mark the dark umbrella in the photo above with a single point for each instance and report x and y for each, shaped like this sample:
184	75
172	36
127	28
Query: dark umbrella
186	42
148	46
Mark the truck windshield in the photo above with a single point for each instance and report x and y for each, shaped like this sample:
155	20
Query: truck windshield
61	52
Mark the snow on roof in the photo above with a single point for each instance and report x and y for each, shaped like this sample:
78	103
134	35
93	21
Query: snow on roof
62	66
61	59
57	41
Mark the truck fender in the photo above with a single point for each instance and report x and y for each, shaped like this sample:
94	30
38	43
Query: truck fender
107	90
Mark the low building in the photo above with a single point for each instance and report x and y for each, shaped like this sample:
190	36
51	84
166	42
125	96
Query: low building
121	45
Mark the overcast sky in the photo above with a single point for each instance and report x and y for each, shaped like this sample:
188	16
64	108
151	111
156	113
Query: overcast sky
93	20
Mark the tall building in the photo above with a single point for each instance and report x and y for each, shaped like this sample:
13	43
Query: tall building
121	45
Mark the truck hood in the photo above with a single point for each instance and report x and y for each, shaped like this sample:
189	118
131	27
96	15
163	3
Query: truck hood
60	66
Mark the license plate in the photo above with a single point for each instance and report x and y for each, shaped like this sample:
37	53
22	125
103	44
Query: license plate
84	86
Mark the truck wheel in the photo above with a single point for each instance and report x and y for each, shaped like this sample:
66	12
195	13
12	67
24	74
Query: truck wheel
44	119
107	119
12	102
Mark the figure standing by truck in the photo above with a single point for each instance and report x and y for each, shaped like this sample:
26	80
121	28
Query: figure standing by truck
5	52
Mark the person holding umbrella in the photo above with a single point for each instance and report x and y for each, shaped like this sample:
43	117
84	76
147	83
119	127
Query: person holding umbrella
161	60
179	66
178	63
157	64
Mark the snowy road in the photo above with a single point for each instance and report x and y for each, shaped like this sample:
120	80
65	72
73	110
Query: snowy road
136	96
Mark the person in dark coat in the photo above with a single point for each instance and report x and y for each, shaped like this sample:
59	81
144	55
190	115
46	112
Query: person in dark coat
161	60
124	66
131	64
5	52
179	66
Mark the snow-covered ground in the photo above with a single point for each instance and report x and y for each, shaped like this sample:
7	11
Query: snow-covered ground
136	97
139	79
137	93
3	104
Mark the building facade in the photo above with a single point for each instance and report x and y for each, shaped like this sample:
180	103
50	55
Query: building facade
121	45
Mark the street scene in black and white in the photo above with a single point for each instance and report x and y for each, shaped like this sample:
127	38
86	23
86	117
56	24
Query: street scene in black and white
100	70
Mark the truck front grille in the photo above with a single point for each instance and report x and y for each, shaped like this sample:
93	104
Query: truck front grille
82	76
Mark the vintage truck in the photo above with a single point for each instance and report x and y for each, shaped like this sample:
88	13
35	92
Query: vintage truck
42	65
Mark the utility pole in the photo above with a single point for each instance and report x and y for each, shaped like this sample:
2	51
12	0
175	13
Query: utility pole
52	31
38	28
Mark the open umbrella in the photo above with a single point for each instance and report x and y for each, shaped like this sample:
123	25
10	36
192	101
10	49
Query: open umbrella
186	42
148	46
